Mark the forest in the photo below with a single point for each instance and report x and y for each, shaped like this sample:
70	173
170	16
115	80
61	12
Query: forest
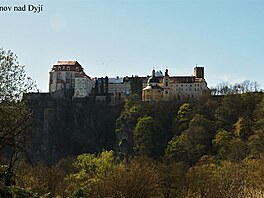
212	147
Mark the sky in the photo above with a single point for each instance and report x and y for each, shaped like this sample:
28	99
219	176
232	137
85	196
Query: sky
131	37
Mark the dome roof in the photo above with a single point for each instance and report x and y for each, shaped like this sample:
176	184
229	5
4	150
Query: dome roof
153	79
152	87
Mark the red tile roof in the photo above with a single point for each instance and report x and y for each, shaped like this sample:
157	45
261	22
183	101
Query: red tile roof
67	63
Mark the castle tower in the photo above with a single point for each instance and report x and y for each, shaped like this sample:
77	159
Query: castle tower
166	86
199	72
62	75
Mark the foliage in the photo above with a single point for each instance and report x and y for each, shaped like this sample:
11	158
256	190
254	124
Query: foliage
11	191
15	118
142	177
143	135
229	127
13	80
138	178
132	101
90	168
184	116
177	149
90	164
41	179
173	179
221	143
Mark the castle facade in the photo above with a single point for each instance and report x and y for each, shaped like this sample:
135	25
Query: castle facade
165	88
69	75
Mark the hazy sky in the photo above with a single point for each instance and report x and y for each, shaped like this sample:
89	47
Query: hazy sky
125	37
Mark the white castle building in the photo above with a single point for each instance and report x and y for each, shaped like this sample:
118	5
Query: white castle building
70	75
67	75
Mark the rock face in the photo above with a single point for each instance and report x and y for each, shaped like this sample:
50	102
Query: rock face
65	127
124	137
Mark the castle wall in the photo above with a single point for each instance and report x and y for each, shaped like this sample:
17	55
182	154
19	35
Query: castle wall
83	87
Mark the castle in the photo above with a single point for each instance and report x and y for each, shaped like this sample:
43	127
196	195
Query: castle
69	75
165	88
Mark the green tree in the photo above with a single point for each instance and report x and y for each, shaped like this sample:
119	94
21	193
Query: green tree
132	101
229	112
91	165
259	117
243	128
200	131
143	135
238	150
256	145
184	116
177	149
221	143
90	169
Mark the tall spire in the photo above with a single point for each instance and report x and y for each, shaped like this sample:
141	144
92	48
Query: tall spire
153	72
166	72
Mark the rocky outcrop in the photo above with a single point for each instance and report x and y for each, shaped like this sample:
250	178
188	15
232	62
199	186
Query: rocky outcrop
66	127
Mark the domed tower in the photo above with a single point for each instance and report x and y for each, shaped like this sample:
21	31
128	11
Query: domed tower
153	80
152	92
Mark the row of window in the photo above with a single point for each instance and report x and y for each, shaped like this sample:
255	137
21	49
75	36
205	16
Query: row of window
166	91
67	68
190	85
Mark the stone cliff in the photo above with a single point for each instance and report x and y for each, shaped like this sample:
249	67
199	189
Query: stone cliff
65	127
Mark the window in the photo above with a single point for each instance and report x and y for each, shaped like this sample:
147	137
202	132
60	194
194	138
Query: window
59	68
166	83
68	68
166	92
77	68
